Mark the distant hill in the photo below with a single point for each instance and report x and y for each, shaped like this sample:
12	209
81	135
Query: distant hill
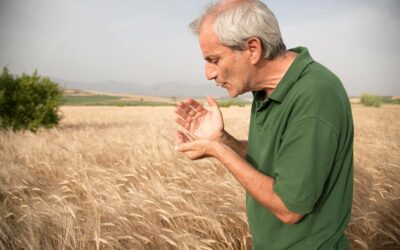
107	86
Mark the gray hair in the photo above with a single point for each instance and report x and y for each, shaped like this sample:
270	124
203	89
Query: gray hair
236	21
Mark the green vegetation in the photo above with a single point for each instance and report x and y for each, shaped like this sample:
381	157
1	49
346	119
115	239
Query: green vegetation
1	104
377	101
226	103
389	100
106	100
371	100
88	99
28	102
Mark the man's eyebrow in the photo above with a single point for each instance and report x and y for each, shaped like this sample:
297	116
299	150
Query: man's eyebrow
211	57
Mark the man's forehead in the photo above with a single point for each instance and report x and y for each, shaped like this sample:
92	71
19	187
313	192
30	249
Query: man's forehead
209	42
207	38
210	47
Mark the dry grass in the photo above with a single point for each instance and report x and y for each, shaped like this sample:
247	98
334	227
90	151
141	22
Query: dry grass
376	204
108	177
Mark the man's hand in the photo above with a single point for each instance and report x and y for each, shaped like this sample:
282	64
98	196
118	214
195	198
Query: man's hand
195	149
200	122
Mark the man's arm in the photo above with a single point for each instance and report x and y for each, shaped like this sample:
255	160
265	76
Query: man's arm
260	186
211	139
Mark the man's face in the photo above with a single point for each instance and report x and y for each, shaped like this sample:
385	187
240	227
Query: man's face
230	69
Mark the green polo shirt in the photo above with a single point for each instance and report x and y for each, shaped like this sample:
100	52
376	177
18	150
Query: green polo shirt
302	136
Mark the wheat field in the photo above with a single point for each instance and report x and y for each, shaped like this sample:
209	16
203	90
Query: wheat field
109	178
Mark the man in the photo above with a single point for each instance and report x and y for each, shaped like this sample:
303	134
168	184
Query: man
297	166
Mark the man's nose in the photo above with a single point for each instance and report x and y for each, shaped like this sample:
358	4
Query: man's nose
211	71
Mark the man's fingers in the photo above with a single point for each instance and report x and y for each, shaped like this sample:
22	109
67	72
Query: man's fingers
182	137
183	147
186	108
183	123
189	136
195	105
187	126
194	150
183	115
186	148
211	101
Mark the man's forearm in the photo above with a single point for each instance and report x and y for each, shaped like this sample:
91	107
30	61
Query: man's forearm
260	186
240	147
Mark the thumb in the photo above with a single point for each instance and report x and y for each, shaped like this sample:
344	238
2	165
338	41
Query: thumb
183	147
213	103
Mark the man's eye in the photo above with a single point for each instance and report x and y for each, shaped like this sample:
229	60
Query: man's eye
215	61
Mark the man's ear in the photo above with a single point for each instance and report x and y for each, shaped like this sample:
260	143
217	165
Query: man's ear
255	48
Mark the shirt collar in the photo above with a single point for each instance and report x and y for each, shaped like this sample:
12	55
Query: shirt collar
303	59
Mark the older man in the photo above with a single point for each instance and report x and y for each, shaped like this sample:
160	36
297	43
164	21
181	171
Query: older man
297	166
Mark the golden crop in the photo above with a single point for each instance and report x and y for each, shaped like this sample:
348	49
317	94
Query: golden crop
109	177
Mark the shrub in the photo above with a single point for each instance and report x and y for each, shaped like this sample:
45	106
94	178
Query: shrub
390	100
225	103
371	100
28	101
1	104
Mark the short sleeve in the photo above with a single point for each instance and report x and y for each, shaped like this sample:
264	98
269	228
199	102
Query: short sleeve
304	162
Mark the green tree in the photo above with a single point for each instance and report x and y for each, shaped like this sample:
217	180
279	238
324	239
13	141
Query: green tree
28	101
1	104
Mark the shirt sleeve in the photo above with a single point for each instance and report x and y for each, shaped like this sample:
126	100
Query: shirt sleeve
304	162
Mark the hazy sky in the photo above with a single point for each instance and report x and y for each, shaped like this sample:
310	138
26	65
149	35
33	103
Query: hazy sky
148	42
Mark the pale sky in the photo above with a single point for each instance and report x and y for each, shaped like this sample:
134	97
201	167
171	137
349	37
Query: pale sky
148	42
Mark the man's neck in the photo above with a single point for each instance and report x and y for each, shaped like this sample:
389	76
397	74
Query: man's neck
271	72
